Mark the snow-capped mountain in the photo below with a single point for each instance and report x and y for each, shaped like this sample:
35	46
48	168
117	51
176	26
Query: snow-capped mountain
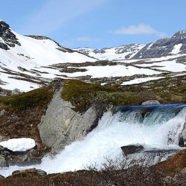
26	58
115	53
28	62
163	47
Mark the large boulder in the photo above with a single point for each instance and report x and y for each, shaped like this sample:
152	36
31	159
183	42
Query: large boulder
61	125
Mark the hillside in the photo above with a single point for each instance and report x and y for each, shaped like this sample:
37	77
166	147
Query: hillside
29	62
25	60
73	122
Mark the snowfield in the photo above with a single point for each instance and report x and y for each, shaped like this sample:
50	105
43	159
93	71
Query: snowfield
112	71
33	54
39	60
171	66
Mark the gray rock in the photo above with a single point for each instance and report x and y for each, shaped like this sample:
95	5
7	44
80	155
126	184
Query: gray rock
61	125
151	102
32	156
131	149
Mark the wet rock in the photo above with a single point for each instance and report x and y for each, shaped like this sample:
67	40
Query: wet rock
181	141
151	102
8	157
131	149
183	136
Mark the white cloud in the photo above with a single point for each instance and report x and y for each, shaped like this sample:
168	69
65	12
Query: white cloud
54	14
140	29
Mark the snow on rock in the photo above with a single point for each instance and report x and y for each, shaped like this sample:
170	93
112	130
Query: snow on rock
18	144
176	49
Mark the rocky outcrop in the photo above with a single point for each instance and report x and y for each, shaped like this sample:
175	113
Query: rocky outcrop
61	125
8	37
163	47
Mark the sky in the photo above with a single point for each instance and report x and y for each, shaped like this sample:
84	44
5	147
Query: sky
96	23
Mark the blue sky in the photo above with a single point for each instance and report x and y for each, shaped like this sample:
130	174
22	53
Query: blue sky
96	23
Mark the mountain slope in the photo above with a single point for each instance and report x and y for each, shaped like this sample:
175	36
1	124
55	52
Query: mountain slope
24	57
28	62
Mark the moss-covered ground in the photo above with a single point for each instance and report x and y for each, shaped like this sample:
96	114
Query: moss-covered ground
26	100
82	95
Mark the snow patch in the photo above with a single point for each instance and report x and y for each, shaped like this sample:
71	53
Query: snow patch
112	71
18	144
140	80
176	49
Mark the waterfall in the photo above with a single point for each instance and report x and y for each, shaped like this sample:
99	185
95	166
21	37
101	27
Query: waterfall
153	127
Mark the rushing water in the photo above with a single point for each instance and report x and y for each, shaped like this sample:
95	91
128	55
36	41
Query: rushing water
152	127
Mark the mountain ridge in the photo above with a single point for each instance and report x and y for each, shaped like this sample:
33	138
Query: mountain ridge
29	62
159	48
